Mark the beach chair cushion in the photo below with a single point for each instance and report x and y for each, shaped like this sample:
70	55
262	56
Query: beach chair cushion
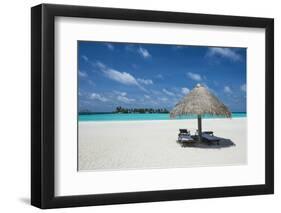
209	137
208	132
185	138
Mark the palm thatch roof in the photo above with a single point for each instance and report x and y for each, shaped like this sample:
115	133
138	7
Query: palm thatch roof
199	102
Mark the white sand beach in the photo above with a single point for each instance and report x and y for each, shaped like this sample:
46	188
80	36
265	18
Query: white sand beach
122	145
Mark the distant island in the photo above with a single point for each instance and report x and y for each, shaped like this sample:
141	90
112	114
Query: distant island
140	110
122	110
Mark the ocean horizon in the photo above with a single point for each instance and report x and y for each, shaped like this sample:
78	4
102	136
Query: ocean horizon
145	116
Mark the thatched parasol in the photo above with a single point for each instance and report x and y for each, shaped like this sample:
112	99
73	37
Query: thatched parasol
200	102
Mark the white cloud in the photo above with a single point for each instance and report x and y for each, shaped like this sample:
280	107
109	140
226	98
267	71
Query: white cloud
125	99
109	46
140	50
244	88
194	76
159	76
144	52
100	65
120	93
97	96
185	90
145	81
122	97
168	92
82	74
121	77
224	52
155	92
227	89
147	96
85	58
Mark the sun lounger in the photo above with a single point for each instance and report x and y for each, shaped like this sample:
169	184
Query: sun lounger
209	137
208	132
184	132
184	136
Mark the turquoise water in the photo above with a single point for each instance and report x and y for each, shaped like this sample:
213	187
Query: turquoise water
141	117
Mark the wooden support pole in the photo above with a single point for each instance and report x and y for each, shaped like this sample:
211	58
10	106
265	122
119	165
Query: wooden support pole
199	128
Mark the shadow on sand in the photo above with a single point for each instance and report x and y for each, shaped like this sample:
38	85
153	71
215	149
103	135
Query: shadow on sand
223	143
25	200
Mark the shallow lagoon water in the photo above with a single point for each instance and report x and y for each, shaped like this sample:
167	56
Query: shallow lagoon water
147	116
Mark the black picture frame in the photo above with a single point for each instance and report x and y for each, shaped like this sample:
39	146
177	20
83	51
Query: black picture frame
43	117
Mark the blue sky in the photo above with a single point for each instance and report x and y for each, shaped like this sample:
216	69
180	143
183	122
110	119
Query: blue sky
157	76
